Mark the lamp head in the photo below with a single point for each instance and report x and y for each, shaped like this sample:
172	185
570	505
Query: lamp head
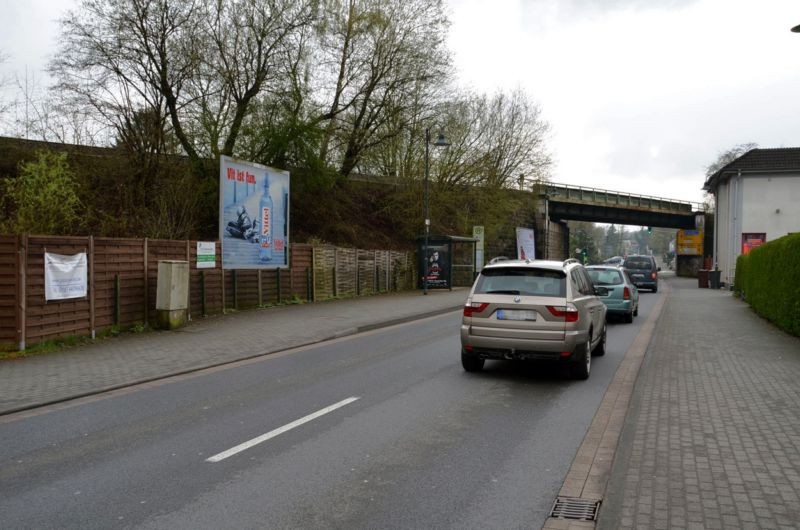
441	141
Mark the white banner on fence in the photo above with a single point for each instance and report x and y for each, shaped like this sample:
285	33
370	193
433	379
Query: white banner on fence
65	276
526	248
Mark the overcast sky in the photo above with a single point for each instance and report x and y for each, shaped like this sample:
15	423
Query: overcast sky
641	94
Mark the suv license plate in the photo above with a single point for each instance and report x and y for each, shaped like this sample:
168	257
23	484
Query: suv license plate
516	314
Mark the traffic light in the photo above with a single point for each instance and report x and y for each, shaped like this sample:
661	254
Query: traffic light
649	229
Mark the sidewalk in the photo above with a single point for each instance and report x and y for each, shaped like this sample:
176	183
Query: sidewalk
136	358
712	435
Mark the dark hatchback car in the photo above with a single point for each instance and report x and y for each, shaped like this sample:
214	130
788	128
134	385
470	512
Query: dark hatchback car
643	271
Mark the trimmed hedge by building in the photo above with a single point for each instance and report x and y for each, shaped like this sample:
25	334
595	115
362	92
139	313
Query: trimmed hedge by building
769	279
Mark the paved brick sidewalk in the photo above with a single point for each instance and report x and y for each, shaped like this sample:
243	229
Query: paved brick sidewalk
131	359
712	436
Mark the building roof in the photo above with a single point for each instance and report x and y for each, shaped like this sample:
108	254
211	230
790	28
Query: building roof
758	161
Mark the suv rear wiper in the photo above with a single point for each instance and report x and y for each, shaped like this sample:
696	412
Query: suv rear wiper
502	292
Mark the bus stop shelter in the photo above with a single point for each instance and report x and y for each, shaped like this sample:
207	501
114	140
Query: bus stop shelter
449	261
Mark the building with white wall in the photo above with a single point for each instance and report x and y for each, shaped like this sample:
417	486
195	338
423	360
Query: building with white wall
757	200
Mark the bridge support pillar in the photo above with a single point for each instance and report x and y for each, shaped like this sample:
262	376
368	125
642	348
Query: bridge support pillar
552	239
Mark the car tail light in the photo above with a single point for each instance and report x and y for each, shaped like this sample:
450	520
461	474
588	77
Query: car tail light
626	294
568	312
474	307
653	275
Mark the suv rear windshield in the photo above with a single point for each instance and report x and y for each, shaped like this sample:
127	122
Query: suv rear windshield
523	280
605	277
638	263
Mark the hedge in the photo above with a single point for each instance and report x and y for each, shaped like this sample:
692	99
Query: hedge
769	279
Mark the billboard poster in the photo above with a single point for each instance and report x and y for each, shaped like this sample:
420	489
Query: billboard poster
752	240
254	215
65	277
437	266
526	248
690	242
478	233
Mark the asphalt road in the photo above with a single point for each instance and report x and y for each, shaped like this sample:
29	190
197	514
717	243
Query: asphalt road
379	430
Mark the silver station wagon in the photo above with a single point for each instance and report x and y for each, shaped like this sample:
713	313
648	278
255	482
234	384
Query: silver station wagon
534	310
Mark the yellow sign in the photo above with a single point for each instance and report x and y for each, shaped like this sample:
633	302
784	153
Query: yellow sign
690	243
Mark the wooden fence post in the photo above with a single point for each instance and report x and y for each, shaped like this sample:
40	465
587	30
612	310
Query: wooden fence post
311	276
289	258
117	295
260	290
279	284
22	305
335	265
203	292
235	297
91	287
146	286
189	289
375	272
222	272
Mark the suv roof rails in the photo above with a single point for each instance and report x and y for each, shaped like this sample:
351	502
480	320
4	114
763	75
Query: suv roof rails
570	260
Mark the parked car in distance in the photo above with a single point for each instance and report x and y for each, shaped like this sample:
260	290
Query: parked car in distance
643	271
623	296
534	310
616	260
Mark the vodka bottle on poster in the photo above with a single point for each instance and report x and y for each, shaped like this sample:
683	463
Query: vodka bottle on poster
266	215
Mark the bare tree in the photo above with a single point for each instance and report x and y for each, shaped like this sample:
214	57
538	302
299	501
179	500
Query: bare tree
201	63
118	58
253	50
514	140
726	157
493	140
376	57
4	104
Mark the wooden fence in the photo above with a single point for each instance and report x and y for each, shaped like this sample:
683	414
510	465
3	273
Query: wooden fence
123	280
342	272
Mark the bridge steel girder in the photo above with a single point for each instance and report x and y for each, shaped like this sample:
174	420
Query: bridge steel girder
620	215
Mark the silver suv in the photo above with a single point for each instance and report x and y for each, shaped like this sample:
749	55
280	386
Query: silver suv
534	310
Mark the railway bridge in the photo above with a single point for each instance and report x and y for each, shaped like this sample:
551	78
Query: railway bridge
563	202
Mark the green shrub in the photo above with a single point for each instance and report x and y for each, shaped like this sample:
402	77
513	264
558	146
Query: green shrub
43	197
769	279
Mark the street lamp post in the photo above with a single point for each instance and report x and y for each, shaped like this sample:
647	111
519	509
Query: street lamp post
441	141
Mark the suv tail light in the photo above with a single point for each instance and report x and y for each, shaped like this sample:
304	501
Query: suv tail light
568	312
474	307
626	294
653	275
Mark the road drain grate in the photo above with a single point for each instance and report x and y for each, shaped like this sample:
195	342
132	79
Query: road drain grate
576	509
